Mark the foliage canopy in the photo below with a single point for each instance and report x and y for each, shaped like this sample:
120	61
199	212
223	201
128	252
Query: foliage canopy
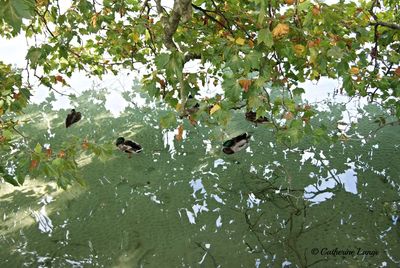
259	52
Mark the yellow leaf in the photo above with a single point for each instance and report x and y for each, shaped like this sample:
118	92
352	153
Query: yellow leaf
215	108
354	70
94	20
178	106
135	37
240	41
230	38
280	30
299	49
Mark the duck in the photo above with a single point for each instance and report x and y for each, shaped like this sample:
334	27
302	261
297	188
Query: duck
72	118
237	143
252	117
128	146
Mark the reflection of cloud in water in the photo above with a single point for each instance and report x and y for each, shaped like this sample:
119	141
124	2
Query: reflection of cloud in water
348	179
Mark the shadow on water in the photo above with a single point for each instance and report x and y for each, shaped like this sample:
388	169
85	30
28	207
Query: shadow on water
198	207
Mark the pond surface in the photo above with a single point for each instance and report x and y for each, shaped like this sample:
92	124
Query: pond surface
186	204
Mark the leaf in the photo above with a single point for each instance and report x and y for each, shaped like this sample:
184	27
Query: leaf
335	52
397	71
34	164
215	108
298	91
61	154
33	55
13	11
280	30
265	36
168	120
288	116
161	60
354	70
38	148
245	84
11	180
180	133
240	41
299	49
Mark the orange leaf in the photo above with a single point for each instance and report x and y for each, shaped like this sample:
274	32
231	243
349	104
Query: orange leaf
16	96
316	10
251	43
288	116
354	70
2	138
59	78
180	133
397	71
289	2
49	152
192	121
34	164
85	144
61	154
280	30
245	84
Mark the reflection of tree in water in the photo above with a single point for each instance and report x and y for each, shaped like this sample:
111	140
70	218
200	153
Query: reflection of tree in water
208	209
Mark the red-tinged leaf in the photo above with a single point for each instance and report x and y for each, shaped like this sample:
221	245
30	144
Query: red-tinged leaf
49	152
288	116
180	133
397	71
192	121
59	78
34	164
85	144
245	84
61	154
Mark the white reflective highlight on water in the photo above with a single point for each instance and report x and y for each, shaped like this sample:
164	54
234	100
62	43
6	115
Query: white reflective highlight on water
41	217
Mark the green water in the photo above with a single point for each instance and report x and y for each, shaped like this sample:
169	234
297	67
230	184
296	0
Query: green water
196	207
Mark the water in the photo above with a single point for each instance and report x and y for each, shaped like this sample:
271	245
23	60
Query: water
186	204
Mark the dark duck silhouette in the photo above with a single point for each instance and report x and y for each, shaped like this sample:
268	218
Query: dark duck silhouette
128	146
252	117
236	144
72	118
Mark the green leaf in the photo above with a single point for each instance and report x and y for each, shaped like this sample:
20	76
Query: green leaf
38	148
11	180
335	52
13	11
232	89
168	120
298	91
33	55
161	60
265	36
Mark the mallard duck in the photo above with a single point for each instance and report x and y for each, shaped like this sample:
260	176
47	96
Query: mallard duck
252	117
72	118
128	146
236	144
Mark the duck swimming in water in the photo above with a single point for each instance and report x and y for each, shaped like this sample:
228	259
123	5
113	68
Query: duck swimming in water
128	146
236	144
252	117
72	118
